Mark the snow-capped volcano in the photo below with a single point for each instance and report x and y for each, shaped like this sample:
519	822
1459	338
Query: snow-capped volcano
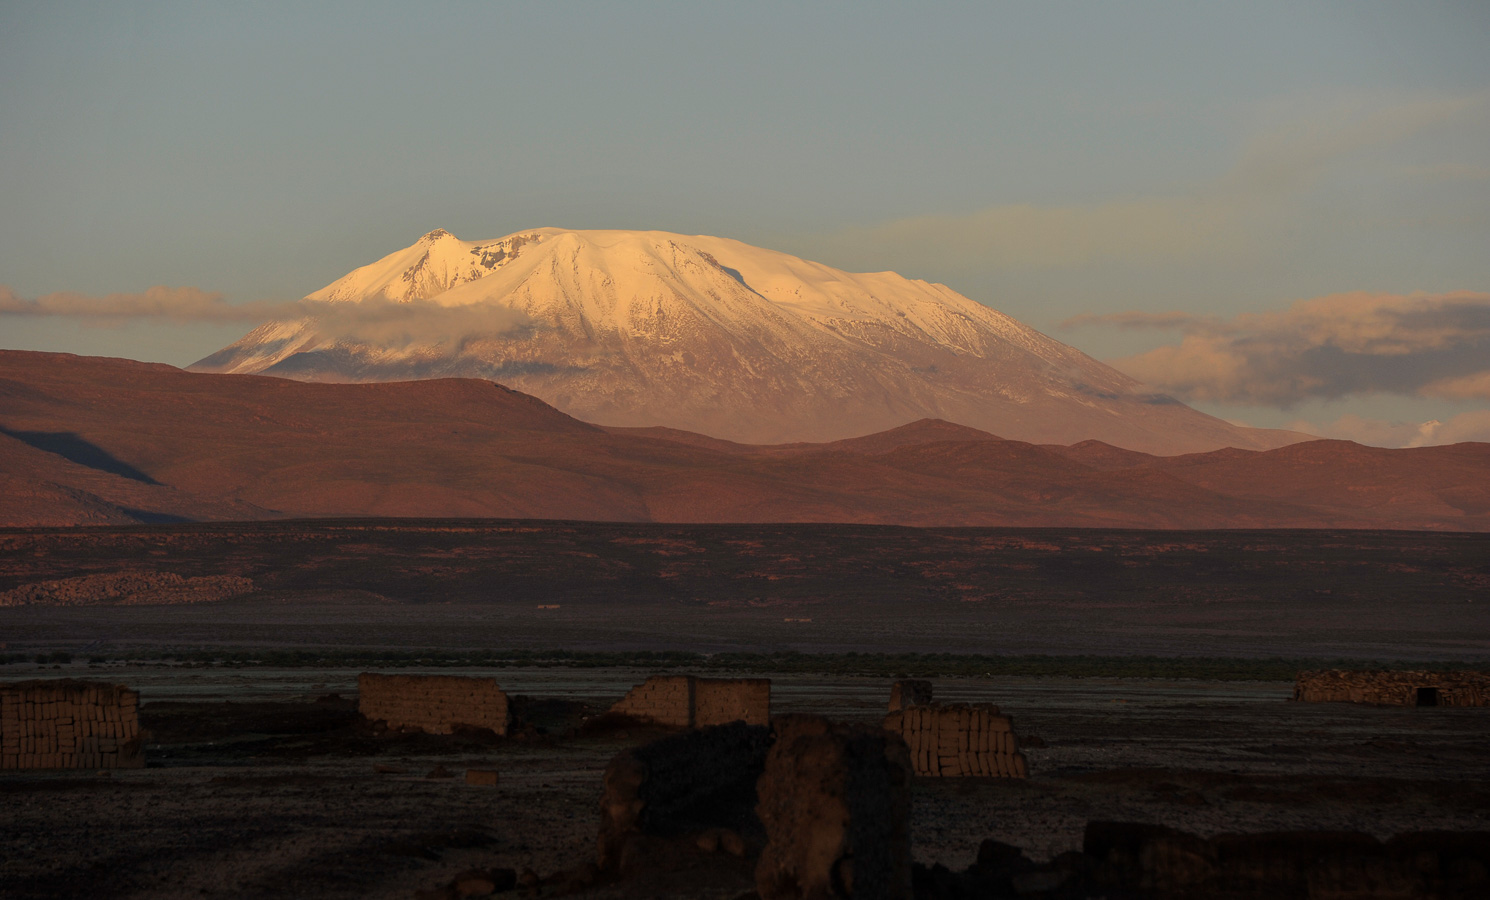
715	336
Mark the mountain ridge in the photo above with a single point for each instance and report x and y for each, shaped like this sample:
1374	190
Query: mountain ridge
226	447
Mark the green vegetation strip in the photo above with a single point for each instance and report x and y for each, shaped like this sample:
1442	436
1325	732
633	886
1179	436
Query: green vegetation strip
890	665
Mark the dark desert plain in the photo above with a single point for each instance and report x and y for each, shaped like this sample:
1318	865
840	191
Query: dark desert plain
1140	623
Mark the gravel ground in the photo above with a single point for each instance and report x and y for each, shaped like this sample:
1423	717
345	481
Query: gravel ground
255	789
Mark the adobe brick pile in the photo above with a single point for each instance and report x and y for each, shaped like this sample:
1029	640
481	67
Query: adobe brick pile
959	740
435	704
1394	688
686	701
69	724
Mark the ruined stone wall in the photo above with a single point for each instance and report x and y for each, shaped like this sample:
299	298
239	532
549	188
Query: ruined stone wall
1395	688
436	704
68	724
959	740
661	699
685	701
719	701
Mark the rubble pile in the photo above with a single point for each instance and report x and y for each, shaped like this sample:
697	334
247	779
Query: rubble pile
1128	859
127	589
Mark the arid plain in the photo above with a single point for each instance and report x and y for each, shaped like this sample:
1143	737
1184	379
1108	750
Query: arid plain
262	781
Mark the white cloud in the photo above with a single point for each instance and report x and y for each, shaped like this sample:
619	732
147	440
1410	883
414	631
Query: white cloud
1432	345
1469	426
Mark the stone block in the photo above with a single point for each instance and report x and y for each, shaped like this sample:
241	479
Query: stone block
835	805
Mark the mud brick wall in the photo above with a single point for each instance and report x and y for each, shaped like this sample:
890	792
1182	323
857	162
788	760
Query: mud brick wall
69	725
661	699
1395	688
685	701
435	704
959	740
719	701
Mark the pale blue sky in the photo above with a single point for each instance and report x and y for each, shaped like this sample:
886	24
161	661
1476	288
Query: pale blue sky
1049	159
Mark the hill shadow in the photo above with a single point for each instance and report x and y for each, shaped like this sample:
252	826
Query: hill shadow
73	448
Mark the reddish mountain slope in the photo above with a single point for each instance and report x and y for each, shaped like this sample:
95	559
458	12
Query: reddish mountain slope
1416	487
89	440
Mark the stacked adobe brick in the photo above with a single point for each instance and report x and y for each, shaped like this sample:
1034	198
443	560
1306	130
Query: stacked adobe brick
435	704
1393	688
957	740
686	701
69	725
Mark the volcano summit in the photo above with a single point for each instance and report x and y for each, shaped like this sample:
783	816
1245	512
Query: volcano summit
705	334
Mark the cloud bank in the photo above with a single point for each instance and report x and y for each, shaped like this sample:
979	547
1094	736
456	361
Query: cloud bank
1234	216
396	325
387	324
1428	345
172	304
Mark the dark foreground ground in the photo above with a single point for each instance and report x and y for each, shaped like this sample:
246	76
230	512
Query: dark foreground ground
262	785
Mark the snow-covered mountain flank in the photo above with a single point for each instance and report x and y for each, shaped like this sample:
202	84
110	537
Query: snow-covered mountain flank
715	336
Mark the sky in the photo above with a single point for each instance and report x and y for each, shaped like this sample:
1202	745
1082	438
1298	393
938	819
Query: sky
1278	212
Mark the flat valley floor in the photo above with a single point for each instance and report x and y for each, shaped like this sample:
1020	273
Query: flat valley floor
1386	595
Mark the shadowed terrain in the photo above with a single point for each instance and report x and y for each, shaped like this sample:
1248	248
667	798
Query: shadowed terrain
473	583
